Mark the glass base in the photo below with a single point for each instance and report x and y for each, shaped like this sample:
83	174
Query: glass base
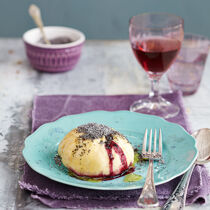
155	106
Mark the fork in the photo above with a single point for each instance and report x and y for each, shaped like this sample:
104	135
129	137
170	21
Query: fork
148	197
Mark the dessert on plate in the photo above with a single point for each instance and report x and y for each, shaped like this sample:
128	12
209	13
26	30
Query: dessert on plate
96	151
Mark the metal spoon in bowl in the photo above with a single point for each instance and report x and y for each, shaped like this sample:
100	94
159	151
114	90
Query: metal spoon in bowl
35	13
177	200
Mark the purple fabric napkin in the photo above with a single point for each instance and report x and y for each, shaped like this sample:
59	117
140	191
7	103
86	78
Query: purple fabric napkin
57	195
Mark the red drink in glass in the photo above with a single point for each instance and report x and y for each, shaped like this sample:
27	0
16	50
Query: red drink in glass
156	40
156	54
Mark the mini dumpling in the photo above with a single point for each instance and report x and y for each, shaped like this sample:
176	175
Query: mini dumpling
95	150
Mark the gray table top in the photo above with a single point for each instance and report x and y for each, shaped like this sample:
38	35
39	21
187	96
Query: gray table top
105	67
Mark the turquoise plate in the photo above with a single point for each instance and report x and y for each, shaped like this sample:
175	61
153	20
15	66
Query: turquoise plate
179	151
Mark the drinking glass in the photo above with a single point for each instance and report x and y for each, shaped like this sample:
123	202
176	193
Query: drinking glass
186	72
156	40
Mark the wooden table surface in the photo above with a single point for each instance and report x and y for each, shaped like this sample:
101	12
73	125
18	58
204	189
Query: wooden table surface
105	67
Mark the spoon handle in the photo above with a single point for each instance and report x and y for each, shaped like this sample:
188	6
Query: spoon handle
35	13
177	199
39	23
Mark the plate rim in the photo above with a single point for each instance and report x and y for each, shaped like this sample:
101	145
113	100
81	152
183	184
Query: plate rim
28	138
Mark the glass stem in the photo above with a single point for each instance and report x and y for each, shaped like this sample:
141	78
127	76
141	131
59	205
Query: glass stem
154	92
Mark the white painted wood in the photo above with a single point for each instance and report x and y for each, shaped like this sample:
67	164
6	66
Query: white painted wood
106	67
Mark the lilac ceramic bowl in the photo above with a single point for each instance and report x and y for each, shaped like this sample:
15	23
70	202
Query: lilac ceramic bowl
56	57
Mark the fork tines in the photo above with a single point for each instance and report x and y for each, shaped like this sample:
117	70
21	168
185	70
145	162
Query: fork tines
152	154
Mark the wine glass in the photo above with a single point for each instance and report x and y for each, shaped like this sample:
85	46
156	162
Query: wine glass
156	40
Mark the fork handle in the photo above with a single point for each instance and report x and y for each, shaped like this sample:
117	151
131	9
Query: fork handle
177	199
148	197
